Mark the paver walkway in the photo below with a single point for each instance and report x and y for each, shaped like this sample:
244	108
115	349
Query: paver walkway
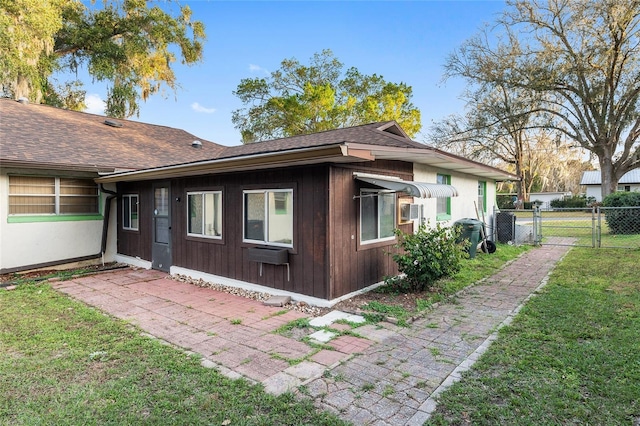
395	381
388	377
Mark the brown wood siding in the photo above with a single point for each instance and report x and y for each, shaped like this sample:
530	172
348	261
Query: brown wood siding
136	243
228	257
351	267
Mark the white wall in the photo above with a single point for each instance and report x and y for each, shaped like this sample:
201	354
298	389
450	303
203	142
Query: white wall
462	206
595	191
32	243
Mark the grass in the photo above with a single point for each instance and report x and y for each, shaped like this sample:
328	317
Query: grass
66	364
572	355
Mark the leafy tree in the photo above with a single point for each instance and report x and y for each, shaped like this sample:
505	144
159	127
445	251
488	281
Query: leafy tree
583	60
126	43
496	129
299	99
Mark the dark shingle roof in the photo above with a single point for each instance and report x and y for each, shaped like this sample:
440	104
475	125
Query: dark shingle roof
31	133
369	134
42	134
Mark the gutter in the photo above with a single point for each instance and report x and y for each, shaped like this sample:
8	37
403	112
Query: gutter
105	220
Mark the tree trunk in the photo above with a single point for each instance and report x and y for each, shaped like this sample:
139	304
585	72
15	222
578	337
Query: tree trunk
608	180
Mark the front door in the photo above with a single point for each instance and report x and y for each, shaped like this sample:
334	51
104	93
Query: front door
161	246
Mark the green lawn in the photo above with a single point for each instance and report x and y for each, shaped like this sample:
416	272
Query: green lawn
63	363
572	355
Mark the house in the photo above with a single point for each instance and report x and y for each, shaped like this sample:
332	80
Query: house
630	181
310	216
543	199
51	210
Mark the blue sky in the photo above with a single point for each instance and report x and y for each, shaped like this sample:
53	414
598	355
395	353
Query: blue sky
404	41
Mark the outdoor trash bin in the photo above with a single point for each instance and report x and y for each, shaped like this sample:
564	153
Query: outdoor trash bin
470	230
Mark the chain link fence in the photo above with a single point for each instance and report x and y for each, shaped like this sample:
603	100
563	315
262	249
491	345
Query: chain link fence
597	227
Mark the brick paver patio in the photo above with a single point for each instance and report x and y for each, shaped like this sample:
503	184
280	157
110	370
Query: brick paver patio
388	376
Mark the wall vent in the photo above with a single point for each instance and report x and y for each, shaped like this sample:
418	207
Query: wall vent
113	123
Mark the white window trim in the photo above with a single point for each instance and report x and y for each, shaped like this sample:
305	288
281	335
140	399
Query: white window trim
190	234
128	197
376	193
266	193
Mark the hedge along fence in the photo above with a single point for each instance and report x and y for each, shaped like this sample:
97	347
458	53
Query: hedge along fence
622	212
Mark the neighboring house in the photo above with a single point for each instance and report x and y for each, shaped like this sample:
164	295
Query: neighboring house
51	210
630	181
544	199
311	216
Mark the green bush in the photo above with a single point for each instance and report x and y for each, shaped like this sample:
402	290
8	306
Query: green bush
504	202
622	221
429	254
576	201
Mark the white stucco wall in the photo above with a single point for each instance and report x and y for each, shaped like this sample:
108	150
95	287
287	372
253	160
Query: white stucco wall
34	243
462	206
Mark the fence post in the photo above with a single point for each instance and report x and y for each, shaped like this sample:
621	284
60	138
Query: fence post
599	227
537	226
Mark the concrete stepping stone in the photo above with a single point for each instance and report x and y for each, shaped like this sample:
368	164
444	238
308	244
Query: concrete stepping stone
280	383
334	316
305	370
277	301
322	336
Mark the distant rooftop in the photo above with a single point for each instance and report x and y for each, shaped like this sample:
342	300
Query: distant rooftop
594	177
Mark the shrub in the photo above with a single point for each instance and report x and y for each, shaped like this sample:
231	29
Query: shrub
576	201
504	202
622	221
428	254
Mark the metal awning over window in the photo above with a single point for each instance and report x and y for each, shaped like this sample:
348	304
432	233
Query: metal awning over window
415	189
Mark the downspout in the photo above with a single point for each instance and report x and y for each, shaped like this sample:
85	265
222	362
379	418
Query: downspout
105	222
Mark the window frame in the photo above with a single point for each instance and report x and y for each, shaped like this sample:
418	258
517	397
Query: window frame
276	212
220	212
371	192
124	221
58	196
482	197
446	215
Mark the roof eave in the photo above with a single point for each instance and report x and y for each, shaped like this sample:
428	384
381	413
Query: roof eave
436	158
20	164
295	157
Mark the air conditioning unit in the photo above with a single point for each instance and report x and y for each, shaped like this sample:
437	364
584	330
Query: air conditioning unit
409	212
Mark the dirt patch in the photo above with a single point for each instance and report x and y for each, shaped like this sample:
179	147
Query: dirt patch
406	301
43	274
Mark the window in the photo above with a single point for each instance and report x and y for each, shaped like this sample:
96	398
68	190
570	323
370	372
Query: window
268	217
482	196
443	206
377	215
41	195
130	212
204	214
625	188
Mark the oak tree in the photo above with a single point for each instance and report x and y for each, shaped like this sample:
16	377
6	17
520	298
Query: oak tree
301	99
583	60
128	44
